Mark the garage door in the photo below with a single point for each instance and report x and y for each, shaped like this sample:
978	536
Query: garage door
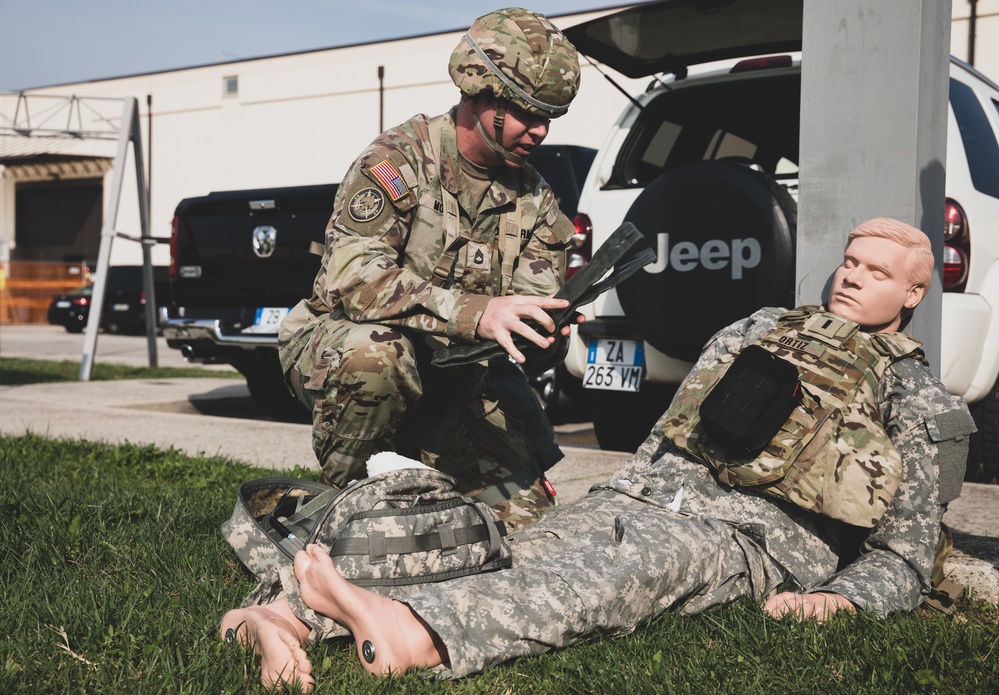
58	220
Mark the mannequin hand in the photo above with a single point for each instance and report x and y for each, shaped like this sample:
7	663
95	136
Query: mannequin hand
803	606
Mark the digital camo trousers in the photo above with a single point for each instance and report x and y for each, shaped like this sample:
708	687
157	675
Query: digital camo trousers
371	388
603	565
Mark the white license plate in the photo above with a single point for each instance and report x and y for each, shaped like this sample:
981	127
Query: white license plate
62	305
614	365
268	319
120	307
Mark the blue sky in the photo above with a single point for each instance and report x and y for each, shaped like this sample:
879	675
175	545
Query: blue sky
51	42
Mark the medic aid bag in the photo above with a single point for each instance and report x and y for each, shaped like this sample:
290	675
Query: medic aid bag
748	405
400	528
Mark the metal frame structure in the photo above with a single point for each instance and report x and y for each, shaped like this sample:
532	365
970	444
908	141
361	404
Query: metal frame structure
99	127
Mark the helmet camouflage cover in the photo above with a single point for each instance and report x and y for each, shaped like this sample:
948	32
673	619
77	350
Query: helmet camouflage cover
520	56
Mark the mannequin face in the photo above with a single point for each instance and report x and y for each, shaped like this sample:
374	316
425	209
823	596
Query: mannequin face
522	131
873	284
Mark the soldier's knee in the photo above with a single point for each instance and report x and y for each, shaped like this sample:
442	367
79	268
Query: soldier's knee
381	359
297	383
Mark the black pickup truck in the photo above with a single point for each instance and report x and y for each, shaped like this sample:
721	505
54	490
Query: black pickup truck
241	259
238	261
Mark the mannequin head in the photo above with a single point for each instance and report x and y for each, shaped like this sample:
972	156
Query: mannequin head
887	268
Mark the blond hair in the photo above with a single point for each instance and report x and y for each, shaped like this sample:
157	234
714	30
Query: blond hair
921	261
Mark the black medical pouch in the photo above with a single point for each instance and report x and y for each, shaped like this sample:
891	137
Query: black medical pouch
748	405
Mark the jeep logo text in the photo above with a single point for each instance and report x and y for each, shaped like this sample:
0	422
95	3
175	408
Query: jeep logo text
714	255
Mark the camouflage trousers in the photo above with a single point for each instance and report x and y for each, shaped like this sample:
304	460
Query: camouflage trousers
371	388
601	566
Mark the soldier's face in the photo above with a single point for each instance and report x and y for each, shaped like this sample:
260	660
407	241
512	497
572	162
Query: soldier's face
522	130
873	284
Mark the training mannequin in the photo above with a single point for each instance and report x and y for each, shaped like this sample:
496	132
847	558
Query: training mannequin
664	532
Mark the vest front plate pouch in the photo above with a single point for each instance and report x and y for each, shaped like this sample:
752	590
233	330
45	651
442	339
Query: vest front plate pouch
831	455
747	407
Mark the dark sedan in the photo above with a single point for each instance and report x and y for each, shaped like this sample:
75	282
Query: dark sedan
70	310
124	302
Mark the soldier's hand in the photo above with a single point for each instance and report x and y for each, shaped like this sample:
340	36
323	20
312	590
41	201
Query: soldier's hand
505	317
819	605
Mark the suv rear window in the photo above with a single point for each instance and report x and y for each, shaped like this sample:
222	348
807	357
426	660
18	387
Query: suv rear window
979	140
754	120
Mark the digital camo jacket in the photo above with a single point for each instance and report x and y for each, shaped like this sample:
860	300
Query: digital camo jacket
882	569
663	533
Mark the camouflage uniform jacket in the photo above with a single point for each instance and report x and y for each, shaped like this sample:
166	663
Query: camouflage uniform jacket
386	236
883	569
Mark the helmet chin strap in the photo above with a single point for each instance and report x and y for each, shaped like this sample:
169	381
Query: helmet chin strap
498	120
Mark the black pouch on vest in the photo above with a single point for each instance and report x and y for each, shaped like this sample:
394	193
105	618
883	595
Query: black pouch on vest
747	407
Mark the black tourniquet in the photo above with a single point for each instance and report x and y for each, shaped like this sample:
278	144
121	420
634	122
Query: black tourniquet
582	288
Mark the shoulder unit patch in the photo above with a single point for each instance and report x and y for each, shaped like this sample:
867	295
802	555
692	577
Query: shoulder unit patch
366	204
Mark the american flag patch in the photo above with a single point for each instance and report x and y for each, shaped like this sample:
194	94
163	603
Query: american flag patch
390	179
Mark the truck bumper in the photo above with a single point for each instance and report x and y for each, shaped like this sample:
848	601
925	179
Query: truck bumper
206	340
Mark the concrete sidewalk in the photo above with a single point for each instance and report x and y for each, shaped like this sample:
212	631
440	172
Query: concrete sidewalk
183	413
172	413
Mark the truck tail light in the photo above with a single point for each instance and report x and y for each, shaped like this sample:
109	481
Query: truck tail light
580	244
174	232
957	248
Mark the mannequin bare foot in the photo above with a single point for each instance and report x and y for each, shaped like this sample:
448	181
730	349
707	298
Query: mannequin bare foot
390	637
276	635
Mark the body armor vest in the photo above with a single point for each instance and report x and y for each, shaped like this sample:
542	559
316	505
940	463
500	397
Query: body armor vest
832	456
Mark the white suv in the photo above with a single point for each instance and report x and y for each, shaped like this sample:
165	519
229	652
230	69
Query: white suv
729	131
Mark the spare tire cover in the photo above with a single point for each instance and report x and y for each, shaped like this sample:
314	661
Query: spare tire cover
724	238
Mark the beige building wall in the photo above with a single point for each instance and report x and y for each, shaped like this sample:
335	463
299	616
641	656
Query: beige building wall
986	58
302	118
295	119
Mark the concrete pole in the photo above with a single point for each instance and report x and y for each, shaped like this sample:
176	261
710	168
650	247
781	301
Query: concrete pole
873	134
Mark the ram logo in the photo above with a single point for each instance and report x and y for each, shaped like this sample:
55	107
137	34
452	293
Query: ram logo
264	241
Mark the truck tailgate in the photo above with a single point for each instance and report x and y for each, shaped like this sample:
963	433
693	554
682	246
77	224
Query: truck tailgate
235	247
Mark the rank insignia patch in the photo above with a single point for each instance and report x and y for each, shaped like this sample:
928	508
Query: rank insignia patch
390	178
478	256
366	204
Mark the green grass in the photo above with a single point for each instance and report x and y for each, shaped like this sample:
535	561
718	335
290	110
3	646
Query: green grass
14	372
114	574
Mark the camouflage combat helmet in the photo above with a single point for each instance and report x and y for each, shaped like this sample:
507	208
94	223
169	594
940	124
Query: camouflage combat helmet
520	56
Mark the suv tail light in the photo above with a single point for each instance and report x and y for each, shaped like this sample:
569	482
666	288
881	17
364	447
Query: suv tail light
174	233
580	244
80	301
957	248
